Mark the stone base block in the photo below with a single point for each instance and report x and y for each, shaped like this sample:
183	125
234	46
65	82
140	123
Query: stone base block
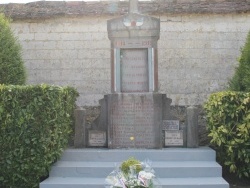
135	120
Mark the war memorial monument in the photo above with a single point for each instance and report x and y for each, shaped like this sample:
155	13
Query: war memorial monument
135	121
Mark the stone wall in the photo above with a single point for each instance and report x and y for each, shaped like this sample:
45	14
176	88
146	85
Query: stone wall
68	51
67	44
198	54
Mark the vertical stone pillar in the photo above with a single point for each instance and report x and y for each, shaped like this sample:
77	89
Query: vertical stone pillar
192	127
80	128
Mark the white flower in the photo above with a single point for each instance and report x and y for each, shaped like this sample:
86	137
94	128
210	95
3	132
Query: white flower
146	175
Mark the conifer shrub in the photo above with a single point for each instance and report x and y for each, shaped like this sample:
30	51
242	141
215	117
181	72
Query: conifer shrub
36	122
241	78
12	70
228	123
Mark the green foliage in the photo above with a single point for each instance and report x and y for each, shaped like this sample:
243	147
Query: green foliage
35	125
130	162
241	78
228	121
12	70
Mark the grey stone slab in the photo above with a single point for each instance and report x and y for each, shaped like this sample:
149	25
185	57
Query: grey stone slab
135	120
192	127
97	138
163	169
208	182
183	127
134	70
170	125
101	122
174	138
72	182
117	155
80	129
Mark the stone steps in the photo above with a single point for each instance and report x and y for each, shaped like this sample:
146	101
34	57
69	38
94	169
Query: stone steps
162	169
76	182
174	167
118	155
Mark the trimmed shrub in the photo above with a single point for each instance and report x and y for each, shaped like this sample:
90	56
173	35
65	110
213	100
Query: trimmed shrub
36	122
12	70
241	78
228	121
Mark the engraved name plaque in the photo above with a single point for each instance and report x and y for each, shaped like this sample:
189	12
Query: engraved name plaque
170	125
97	138
174	138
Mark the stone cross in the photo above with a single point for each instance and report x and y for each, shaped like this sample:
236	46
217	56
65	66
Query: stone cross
133	6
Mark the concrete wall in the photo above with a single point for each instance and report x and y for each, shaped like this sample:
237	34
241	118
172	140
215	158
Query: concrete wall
197	53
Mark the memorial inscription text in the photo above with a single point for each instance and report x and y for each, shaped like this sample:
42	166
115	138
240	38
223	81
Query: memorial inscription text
133	123
134	70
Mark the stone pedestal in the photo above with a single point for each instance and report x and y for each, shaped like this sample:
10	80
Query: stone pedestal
135	120
192	127
80	128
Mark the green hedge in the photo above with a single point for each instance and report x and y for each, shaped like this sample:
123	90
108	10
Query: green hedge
35	125
228	120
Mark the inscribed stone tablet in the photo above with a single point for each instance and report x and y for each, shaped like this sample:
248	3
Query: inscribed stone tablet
135	121
174	138
134	70
170	125
97	138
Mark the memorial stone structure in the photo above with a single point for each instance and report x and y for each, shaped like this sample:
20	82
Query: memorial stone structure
135	115
134	107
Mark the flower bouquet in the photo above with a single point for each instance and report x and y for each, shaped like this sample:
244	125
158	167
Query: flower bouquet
133	174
